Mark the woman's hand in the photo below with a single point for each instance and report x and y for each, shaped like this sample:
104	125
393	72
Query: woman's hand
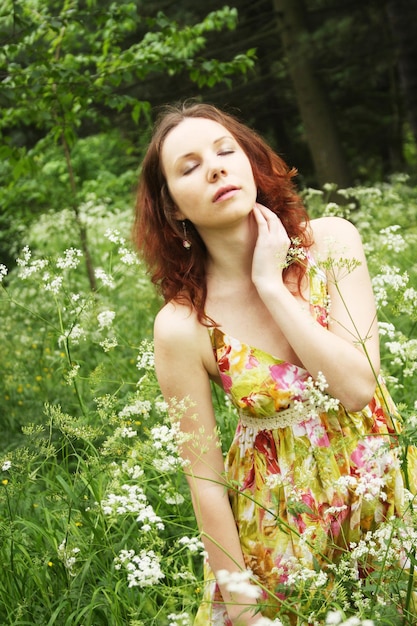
270	250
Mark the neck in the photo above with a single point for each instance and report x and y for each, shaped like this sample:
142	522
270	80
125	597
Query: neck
230	251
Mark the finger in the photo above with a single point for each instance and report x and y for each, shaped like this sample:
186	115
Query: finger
268	220
269	216
259	217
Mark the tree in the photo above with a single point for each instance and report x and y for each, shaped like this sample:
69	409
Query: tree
68	68
315	109
403	18
354	56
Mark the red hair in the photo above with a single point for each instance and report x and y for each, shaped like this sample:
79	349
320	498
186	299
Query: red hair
180	274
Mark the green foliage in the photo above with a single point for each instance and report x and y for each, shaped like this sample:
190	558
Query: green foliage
92	489
63	66
68	70
386	216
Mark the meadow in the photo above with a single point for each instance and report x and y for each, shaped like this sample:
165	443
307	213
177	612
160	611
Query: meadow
96	524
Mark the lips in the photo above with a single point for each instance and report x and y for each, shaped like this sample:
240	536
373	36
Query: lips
223	192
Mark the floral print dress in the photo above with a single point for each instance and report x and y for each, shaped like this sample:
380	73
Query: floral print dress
306	481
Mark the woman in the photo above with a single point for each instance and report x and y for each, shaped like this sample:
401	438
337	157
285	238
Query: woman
274	308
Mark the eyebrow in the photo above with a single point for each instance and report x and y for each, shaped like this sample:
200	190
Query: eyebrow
215	142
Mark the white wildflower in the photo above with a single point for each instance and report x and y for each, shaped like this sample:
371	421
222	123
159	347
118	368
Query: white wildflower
134	471
127	256
165	441
72	374
161	407
76	333
412	421
392	239
68	557
3	272
239	582
334	617
132	500
172	498
314	400
386	329
70	260
334	510
109	343
105	278
26	271
113	236
390	276
25	257
370	480
179	619
52	284
405	354
295	252
302	575
170	495
127	432
105	319
410	299
143	570
168	463
184	575
194	544
139	407
6	466
145	358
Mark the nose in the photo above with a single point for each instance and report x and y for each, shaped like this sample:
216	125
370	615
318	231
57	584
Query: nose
215	170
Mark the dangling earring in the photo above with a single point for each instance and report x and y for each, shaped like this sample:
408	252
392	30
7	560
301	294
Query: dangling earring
185	242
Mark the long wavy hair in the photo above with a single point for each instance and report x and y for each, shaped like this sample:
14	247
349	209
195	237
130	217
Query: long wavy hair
179	273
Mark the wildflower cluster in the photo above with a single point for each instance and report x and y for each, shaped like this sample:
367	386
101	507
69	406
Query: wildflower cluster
239	582
126	254
52	275
295	254
68	557
142	570
132	500
3	272
315	400
336	618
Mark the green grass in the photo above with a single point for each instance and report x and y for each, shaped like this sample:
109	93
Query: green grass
81	410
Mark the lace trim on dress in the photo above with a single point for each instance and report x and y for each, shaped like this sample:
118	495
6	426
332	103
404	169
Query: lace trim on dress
287	417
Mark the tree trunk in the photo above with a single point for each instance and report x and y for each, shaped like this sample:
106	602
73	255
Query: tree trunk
402	16
314	107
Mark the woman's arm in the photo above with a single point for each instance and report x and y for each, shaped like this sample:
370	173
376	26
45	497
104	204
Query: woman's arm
183	357
348	355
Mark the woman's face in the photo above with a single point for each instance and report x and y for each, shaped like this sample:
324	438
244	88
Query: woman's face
208	174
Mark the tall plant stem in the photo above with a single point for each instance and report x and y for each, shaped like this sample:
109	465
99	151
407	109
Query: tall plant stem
61	123
81	228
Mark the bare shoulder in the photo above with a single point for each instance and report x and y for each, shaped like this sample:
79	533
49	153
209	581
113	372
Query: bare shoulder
335	235
176	322
178	334
336	226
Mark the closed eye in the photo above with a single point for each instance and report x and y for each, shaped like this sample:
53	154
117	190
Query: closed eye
189	169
